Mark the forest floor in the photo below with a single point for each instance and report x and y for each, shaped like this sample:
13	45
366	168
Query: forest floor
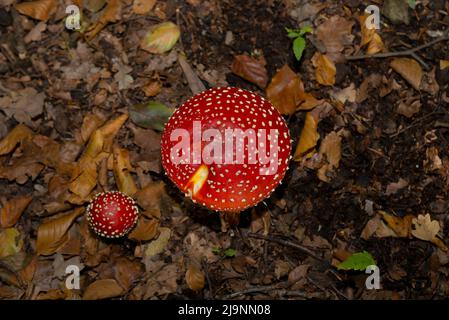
370	172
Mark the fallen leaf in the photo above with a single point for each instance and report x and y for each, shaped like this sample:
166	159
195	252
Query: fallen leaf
161	38
91	122
146	229
250	69
122	171
357	261
11	242
371	82
409	69
281	268
94	5
149	198
35	34
298	273
286	92
325	71
52	235
162	282
309	137
127	272
394	187
123	78
409	107
23	105
39	10
335	33
426	229
12	210
444	64
347	94
157	246
152	88
143	6
103	289
17	135
151	115
400	225
396	11
111	13
330	151
370	38
195	278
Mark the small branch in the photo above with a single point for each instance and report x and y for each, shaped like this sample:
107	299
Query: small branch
408	52
290	244
261	289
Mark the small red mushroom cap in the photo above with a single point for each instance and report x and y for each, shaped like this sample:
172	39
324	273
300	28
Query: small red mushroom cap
112	214
237	150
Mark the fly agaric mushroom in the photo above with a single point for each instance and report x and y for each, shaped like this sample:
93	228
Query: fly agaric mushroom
226	148
112	214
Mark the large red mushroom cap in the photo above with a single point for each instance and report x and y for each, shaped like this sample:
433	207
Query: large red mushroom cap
112	214
226	148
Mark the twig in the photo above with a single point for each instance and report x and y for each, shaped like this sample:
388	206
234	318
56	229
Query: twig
260	289
288	244
408	52
209	283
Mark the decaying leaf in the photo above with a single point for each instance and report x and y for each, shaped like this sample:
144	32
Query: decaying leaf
158	245
103	289
161	38
39	10
149	198
151	115
330	151
122	171
250	69
143	6
52	235
335	33
409	69
426	229
195	278
111	13
394	187
10	242
286	92
370	38
309	137
17	135
146	229
325	71
12	210
400	225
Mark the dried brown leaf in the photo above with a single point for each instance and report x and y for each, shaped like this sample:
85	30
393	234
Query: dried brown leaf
12	210
370	37
409	69
250	69
309	137
17	135
103	289
122	171
325	71
143	6
146	229
111	13
195	278
330	151
39	10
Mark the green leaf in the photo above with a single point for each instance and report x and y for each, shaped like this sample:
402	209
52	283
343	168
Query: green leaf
304	30
152	115
412	4
230	253
298	47
358	261
216	250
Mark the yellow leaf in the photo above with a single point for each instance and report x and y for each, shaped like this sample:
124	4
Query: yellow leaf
143	6
157	246
370	37
309	137
195	278
325	71
12	211
17	135
161	38
103	289
409	69
39	10
52	235
330	150
122	171
400	225
10	242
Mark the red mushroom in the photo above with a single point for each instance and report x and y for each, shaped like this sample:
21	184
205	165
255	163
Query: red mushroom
226	148
112	214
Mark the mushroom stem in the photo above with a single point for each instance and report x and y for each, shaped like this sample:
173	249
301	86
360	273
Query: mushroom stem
229	219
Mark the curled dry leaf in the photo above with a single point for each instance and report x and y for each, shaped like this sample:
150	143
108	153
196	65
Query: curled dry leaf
146	229
370	37
400	225
161	38
53	234
122	171
11	242
195	278
143	6
409	69
39	10
111	13
103	289
309	137
330	151
157	246
325	71
149	198
12	211
250	69
286	92
335	33
91	122
17	135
